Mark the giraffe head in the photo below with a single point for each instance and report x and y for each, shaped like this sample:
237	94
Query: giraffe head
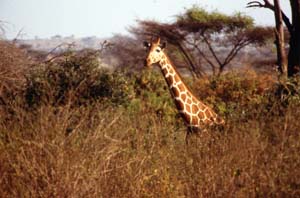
155	52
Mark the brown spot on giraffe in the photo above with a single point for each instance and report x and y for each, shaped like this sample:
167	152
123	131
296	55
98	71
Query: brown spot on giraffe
194	108
183	96
179	105
210	114
163	62
195	121
201	105
196	114
188	108
189	101
172	72
169	79
201	115
175	91
164	71
181	87
176	78
186	117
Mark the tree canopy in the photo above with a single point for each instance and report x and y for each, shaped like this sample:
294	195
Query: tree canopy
207	38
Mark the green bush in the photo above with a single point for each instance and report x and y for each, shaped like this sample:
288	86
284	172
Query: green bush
80	80
152	89
236	93
76	78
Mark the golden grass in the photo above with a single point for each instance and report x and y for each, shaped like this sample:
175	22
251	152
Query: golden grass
95	152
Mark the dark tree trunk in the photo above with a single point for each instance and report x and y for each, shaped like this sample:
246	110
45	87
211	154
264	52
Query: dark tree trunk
280	46
294	52
294	30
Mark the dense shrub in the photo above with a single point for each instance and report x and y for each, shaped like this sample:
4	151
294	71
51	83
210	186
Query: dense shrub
236	93
152	90
77	78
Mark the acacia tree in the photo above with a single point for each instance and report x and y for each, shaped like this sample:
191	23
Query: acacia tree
293	28
213	38
223	36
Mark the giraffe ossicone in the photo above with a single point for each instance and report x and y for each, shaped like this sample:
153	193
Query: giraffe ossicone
196	115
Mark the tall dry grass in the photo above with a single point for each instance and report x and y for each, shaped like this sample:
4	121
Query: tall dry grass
132	149
14	63
95	152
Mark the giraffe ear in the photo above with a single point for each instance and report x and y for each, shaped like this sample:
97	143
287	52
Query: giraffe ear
163	45
146	44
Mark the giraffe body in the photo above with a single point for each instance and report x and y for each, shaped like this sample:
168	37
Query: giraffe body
195	113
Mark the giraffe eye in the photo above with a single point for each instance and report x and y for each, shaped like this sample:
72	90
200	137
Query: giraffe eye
157	50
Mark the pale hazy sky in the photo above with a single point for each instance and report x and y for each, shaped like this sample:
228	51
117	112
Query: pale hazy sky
103	18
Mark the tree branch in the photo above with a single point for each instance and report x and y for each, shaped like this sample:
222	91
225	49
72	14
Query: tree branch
253	4
267	4
213	66
211	50
186	55
234	51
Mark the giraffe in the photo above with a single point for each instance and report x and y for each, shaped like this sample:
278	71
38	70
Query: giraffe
196	115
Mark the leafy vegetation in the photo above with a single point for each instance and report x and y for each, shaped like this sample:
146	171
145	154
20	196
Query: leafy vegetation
216	19
76	78
73	129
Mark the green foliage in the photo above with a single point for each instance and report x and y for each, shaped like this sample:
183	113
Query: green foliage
216	20
241	94
77	78
151	88
80	80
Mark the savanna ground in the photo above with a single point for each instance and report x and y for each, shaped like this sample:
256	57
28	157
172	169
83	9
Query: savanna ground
70	129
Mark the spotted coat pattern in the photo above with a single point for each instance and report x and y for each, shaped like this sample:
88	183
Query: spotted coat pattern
195	113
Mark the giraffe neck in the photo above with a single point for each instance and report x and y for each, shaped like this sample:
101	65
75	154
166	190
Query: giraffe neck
174	81
193	111
180	93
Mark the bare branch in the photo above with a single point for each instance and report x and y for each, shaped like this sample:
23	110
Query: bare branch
254	4
50	56
19	34
195	46
211	50
235	50
267	4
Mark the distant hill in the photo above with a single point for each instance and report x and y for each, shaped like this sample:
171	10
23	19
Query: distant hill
261	58
62	43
